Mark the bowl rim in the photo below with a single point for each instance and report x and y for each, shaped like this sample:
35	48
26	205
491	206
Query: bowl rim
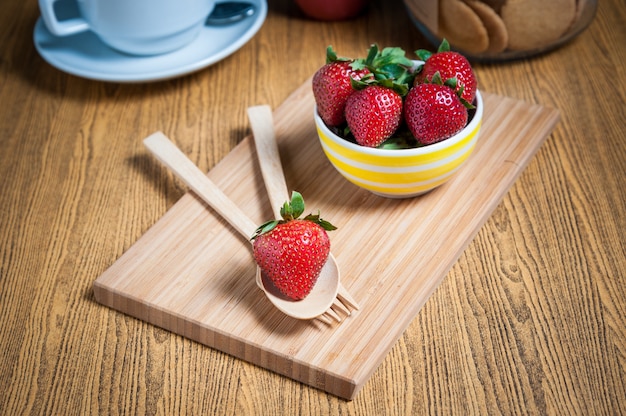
430	148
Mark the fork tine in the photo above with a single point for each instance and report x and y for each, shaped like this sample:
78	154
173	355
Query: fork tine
325	319
345	297
329	317
343	304
339	307
333	314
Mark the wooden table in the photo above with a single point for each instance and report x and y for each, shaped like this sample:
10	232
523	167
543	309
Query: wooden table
530	320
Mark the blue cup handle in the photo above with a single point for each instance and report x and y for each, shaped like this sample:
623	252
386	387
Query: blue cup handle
58	27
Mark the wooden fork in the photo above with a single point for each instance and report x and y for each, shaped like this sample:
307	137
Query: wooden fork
262	125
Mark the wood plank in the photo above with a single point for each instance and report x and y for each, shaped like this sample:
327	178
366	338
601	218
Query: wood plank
194	275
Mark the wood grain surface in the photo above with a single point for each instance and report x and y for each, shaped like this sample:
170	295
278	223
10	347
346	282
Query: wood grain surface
529	320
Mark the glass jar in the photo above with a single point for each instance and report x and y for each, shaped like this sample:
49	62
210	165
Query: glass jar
500	30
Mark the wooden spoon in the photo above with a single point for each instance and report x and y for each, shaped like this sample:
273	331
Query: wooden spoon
323	293
261	121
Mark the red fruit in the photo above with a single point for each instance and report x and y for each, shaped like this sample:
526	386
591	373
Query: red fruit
331	89
292	251
373	114
331	9
434	112
450	65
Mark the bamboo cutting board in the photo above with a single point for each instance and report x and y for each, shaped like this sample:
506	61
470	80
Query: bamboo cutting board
192	274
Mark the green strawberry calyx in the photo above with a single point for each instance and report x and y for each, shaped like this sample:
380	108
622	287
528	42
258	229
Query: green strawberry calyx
331	56
355	64
292	210
424	54
452	83
389	68
389	63
400	88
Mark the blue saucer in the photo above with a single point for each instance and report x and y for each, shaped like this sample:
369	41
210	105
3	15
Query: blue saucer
84	55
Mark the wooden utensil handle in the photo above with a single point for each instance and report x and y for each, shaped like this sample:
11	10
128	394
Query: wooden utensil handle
172	157
261	122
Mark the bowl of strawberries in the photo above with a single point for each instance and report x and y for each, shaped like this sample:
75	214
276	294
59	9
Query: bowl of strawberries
395	126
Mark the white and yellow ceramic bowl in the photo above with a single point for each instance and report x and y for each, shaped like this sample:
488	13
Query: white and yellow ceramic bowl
401	173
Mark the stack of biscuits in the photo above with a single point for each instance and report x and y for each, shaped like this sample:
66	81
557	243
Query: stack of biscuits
490	27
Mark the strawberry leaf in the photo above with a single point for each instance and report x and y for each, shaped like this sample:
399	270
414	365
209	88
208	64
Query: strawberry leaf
291	210
423	54
331	56
444	46
321	222
326	225
452	83
393	56
467	104
390	63
265	228
436	79
359	84
392	71
401	88
297	204
403	139
286	212
358	64
372	53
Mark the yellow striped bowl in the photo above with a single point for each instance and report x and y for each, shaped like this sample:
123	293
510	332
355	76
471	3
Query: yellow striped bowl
401	173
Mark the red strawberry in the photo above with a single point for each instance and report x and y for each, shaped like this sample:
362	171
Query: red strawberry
331	87
373	114
449	65
434	112
292	251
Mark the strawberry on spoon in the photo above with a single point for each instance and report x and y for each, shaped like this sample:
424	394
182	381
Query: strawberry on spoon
292	251
316	303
